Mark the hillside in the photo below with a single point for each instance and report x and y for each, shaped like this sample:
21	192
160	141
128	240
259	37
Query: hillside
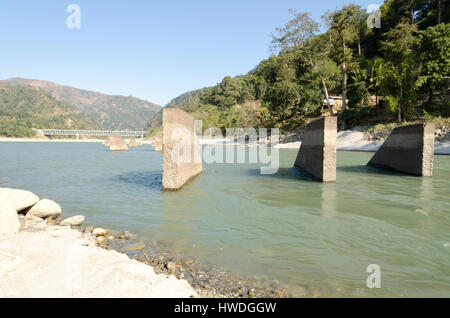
26	107
365	76
110	112
188	102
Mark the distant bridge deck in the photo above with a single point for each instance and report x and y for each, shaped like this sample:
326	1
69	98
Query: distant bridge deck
93	133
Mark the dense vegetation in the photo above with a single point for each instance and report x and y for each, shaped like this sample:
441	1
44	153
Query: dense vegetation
24	107
397	72
110	112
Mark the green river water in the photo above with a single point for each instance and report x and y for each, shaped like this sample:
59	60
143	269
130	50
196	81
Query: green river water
283	227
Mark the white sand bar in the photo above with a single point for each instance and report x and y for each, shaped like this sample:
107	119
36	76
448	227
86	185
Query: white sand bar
353	141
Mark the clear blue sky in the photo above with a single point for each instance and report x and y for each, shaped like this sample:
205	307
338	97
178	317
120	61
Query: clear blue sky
155	50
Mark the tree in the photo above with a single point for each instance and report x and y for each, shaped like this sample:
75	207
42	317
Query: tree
299	34
399	50
436	57
344	32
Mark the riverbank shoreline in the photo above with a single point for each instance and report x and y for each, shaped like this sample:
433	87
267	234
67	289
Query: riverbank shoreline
10	139
348	140
55	261
351	140
51	256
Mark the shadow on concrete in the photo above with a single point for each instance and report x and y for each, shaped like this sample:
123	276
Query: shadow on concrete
147	179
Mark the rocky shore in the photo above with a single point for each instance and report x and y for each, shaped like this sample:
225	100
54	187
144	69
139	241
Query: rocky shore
369	134
34	238
44	255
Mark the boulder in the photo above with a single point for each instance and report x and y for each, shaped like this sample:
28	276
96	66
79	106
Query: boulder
33	218
45	208
88	229
101	240
99	232
19	200
9	220
73	221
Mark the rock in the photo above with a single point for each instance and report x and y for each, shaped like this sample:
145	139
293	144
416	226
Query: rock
50	221
124	236
137	247
33	218
58	220
101	240
88	229
73	221
45	208
99	232
18	199
110	238
9	220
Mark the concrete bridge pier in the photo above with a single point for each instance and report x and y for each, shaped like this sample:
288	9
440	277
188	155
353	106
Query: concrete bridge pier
182	159
408	149
317	154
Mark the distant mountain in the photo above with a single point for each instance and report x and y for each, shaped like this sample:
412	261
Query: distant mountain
110	112
26	107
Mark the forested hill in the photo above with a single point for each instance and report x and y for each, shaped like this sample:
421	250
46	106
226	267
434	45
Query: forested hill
398	72
26	107
110	112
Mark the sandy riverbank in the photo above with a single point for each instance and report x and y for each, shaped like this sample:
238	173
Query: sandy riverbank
346	141
55	261
354	141
8	139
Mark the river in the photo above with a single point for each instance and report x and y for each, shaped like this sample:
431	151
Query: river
283	227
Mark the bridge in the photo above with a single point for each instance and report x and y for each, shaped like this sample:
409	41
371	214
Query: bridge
93	133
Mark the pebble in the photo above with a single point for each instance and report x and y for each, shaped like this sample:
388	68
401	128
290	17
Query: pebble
88	229
51	221
137	247
73	221
101	240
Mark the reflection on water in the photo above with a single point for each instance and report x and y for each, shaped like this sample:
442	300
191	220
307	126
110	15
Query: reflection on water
149	179
285	227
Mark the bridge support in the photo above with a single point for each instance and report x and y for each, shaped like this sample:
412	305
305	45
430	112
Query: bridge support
408	149
182	159
317	154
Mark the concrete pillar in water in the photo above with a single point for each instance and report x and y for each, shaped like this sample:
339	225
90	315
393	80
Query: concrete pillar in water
408	149
116	143
317	154
181	149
